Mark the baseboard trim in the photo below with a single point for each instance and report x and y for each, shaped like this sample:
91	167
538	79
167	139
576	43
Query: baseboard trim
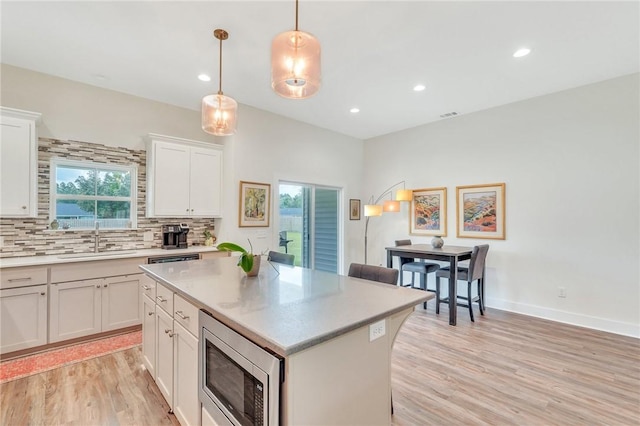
595	323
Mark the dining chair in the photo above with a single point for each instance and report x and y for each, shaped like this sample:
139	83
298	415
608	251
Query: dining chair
276	256
284	242
474	273
409	264
374	273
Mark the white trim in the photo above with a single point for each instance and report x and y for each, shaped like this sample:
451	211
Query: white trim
21	114
595	323
163	138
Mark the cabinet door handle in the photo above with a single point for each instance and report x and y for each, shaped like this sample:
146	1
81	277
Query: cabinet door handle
187	210
98	286
43	293
171	334
15	280
161	299
24	207
150	314
167	330
181	315
105	286
146	287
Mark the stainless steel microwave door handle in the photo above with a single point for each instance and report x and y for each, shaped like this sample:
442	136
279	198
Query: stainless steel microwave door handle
181	315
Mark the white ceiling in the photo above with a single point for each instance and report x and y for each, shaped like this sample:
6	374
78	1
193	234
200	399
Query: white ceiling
373	52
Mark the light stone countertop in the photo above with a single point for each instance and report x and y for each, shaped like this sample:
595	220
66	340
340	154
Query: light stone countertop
56	259
285	313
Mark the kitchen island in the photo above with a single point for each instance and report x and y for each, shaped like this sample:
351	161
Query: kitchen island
335	333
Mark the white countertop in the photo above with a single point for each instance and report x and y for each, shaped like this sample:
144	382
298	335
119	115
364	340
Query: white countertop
54	259
288	312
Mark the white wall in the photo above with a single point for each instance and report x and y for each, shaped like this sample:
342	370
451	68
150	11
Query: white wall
570	161
266	148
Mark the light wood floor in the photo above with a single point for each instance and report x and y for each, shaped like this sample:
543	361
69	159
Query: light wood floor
503	369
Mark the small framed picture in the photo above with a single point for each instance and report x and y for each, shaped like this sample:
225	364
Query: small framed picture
429	212
480	211
354	209
255	204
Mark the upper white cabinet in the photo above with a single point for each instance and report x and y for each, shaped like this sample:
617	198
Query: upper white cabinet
184	178
18	163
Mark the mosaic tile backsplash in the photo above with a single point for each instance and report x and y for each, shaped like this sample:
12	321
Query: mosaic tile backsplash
32	236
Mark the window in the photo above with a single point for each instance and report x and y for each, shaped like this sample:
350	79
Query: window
84	194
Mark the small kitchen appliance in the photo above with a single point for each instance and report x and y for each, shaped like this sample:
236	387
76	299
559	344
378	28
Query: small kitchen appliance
175	236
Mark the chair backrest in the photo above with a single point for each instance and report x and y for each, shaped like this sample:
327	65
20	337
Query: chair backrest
476	264
283	235
374	273
403	243
403	259
276	256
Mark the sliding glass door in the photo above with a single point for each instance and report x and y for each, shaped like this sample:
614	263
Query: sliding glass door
309	225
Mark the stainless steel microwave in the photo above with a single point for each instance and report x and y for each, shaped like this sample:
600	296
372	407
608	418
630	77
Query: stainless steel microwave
239	382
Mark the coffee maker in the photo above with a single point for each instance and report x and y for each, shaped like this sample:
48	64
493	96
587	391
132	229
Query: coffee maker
174	236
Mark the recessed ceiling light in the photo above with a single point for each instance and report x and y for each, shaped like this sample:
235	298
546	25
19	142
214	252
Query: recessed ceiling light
419	87
204	77
521	52
354	110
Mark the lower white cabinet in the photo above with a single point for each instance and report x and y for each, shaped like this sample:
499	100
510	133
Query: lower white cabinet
23	318
149	335
186	404
173	362
82	308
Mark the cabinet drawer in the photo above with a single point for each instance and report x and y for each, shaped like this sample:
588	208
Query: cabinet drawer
148	287
22	277
186	314
164	298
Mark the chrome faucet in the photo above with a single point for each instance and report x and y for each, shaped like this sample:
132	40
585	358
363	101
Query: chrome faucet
96	243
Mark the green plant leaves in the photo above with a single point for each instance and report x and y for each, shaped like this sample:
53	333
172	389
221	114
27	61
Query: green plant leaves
231	247
246	262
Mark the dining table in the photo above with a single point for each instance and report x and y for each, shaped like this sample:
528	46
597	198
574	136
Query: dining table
451	254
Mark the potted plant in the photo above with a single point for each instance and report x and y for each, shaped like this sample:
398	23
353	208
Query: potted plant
249	262
209	239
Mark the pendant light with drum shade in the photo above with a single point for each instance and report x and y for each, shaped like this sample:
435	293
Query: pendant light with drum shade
219	112
295	63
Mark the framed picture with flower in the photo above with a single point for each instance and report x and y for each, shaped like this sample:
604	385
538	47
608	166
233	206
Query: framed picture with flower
354	209
255	204
429	212
480	211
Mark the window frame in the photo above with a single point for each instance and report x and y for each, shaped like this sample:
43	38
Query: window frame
132	169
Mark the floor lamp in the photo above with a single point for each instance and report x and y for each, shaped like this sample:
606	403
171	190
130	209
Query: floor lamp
375	209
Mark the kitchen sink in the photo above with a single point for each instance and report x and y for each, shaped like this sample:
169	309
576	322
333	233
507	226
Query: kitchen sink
101	254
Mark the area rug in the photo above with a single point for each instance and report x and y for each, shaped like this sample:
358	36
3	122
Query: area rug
33	364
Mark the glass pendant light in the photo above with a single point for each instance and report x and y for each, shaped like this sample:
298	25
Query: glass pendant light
295	63
219	112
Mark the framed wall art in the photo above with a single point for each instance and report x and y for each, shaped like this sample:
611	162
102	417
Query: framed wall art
480	211
354	209
255	199
429	212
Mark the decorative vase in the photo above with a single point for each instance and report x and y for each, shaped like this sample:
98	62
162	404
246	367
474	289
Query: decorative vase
54	224
437	242
256	266
209	241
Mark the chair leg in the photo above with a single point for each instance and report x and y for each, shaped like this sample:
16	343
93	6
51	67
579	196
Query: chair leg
437	295
423	286
401	277
470	301
480	301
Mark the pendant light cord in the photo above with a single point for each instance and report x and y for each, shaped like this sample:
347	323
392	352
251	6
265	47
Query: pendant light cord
296	15
220	80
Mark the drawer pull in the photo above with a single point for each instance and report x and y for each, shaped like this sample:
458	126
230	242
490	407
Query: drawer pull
15	280
43	293
98	286
167	330
161	299
171	334
146	288
105	286
181	315
150	314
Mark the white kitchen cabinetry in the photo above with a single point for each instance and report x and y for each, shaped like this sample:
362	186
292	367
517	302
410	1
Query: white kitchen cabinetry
18	163
184	178
23	318
93	297
176	352
149	335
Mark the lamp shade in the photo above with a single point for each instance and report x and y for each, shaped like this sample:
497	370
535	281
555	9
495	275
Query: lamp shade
404	195
372	210
295	64
219	114
391	206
